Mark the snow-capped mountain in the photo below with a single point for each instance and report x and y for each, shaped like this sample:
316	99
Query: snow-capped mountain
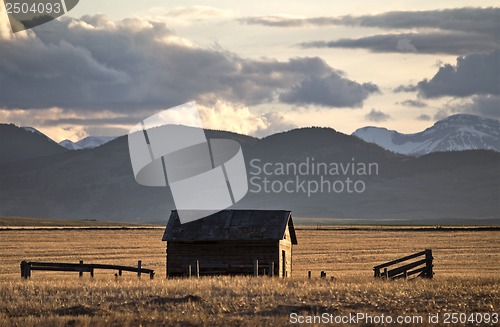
89	142
69	145
454	133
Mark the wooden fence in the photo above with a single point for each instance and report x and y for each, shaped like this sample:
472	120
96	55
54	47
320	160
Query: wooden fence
422	267
257	269
28	267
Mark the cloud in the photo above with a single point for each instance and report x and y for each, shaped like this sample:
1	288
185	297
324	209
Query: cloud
441	114
413	103
60	124
405	45
405	89
275	122
186	15
289	21
196	12
240	119
90	121
431	43
330	91
377	116
473	74
38	119
482	105
94	63
475	20
449	31
424	117
63	124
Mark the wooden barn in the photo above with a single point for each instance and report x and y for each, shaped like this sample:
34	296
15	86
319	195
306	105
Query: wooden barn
231	242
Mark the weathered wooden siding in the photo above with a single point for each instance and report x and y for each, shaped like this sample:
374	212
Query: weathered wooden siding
285	245
223	257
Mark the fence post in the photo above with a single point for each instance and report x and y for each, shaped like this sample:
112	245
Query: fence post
197	269
309	274
386	273
256	267
139	270
428	263
24	269
377	272
80	272
92	272
271	269
189	271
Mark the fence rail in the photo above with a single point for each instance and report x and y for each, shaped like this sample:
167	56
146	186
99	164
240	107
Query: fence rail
258	268
422	267
28	267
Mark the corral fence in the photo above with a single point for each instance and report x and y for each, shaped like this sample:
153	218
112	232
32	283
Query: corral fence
28	267
422	266
258	268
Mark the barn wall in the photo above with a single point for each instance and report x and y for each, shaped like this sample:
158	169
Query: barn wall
221	257
285	245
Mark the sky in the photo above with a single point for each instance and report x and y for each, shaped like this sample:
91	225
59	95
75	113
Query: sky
256	70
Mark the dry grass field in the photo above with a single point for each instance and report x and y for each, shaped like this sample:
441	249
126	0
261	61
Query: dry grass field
467	276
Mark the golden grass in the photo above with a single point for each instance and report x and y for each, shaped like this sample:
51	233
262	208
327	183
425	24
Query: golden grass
467	266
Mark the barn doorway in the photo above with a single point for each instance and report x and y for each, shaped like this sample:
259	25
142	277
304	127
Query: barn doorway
283	260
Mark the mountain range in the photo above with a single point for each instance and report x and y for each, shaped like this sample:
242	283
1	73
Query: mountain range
89	142
454	133
43	179
23	143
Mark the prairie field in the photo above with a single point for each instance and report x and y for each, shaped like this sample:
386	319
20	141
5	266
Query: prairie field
466	281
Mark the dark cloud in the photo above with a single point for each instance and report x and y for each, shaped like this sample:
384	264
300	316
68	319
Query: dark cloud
125	120
473	74
424	117
476	20
106	131
450	31
280	21
413	103
405	88
330	91
94	63
482	105
433	42
377	116
441	114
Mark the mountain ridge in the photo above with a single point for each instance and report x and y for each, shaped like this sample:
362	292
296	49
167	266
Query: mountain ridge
454	133
22	143
99	183
88	142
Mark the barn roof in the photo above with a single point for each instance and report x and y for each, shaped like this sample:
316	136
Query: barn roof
232	225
